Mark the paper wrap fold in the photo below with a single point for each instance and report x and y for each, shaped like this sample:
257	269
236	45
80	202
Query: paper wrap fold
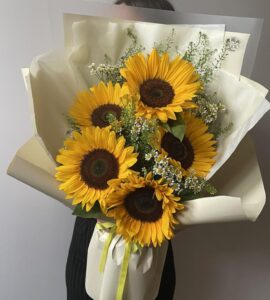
52	83
145	266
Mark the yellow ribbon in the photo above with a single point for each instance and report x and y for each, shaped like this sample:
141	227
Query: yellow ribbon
129	248
111	227
123	272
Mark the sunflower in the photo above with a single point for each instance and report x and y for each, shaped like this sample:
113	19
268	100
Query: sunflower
164	87
89	159
143	209
92	107
196	151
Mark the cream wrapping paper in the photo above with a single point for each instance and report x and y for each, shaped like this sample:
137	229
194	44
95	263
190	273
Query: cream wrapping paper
109	36
242	99
53	81
144	270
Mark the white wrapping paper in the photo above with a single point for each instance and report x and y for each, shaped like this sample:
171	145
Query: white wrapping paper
246	104
52	83
144	271
109	36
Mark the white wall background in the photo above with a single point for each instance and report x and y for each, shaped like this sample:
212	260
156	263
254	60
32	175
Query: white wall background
214	262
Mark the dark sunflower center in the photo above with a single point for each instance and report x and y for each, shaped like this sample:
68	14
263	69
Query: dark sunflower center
143	205
180	151
97	167
100	115
156	93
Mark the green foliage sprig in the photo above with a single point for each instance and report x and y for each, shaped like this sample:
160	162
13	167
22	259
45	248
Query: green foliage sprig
111	72
73	126
141	133
167	44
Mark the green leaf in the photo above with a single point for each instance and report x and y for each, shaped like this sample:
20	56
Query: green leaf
178	127
95	212
188	195
167	127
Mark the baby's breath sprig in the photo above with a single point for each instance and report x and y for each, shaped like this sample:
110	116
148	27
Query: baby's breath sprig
208	107
210	189
212	111
162	167
106	72
200	54
207	60
194	186
133	49
218	130
167	44
139	132
143	132
230	45
111	72
72	125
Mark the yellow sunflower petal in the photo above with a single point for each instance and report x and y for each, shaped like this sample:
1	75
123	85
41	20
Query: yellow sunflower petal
90	107
199	145
133	222
173	84
87	154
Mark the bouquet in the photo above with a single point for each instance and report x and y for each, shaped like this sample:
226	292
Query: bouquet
138	128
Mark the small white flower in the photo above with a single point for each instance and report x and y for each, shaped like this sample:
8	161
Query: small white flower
148	156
